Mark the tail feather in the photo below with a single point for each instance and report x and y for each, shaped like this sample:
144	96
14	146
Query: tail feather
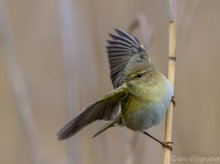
104	128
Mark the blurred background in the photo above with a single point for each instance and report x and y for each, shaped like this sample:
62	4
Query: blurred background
53	63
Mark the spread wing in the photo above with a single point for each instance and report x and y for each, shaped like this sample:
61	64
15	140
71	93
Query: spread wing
105	108
120	50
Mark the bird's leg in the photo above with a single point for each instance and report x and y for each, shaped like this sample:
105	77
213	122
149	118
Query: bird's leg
164	144
173	101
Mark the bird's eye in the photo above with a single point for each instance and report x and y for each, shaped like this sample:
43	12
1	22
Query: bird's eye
139	75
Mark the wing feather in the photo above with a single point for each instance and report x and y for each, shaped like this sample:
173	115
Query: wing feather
104	109
120	50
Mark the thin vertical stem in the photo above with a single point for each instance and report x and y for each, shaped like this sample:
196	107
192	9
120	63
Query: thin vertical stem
171	74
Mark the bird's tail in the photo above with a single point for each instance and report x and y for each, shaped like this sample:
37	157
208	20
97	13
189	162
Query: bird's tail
117	122
104	128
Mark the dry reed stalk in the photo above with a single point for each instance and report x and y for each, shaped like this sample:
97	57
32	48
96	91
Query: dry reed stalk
171	75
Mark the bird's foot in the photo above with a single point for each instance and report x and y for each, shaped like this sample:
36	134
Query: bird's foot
173	101
164	144
167	145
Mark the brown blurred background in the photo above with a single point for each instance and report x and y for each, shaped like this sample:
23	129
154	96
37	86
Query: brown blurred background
53	63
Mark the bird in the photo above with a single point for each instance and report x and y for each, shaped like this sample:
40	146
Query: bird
141	93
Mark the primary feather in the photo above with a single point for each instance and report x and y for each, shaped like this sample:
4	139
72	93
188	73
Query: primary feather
121	49
104	109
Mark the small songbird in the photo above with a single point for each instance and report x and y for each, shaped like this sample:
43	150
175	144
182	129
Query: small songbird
141	91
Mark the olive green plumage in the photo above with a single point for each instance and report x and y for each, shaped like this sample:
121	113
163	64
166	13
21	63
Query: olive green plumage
142	92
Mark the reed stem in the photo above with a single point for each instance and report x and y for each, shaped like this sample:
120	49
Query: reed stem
171	75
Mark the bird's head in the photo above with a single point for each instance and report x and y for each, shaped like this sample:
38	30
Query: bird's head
139	72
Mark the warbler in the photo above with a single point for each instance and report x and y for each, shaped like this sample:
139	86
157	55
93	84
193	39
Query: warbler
141	92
